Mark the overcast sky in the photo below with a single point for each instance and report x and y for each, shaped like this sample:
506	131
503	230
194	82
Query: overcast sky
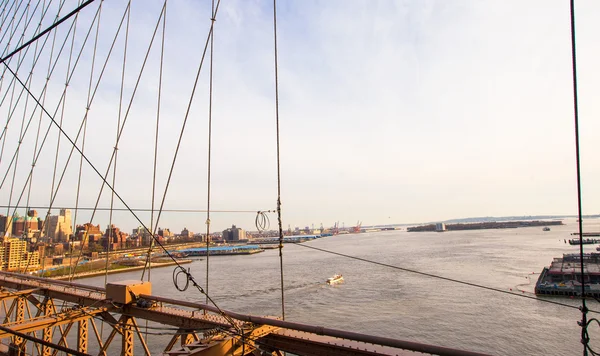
390	111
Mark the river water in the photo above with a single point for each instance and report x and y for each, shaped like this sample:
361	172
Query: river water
387	302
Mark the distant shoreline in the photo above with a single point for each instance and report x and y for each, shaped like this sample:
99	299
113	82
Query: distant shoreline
485	225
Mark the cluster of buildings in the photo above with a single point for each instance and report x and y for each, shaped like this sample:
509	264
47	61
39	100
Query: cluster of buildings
25	241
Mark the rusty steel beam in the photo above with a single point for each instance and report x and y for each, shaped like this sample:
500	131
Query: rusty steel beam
127	339
40	341
50	321
319	330
82	335
49	281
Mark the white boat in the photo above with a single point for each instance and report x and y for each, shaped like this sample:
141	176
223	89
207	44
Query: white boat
335	279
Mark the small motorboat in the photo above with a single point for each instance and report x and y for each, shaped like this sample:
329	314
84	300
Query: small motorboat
546	228
338	278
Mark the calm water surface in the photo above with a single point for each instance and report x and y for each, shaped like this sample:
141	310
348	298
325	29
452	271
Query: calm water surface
386	302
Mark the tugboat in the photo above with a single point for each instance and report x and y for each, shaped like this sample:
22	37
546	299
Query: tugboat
335	279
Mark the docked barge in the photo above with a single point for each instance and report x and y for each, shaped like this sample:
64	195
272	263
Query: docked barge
585	241
563	276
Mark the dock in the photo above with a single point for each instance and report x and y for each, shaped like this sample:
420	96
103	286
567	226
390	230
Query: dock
563	276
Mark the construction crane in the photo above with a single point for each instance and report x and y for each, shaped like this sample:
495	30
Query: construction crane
357	227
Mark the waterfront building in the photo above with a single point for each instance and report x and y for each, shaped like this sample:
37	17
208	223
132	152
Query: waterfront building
14	255
166	233
185	233
116	238
93	232
234	234
142	235
58	228
28	226
3	222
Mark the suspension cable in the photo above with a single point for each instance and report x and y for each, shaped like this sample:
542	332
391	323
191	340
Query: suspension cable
12	81
210	103
278	158
187	114
189	276
37	100
21	135
148	263
137	209
85	121
35	38
116	149
583	324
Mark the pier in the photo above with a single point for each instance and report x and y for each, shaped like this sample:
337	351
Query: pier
563	276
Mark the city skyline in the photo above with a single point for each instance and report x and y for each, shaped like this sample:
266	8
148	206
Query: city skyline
390	113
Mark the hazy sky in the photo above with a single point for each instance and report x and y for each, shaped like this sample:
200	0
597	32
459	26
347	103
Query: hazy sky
390	111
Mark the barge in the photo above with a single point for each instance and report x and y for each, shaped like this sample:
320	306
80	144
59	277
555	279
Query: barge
563	276
585	241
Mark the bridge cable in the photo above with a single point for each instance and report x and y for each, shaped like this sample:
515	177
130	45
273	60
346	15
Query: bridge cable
13	30
26	227
120	132
8	12
39	126
62	114
210	103
28	83
12	81
111	230
148	263
278	157
105	176
13	111
3	34
55	24
37	136
583	324
87	109
438	276
57	108
136	209
186	116
189	277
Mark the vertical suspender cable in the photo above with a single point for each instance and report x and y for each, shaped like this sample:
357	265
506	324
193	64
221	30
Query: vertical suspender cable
109	238
584	310
210	100
41	112
278	160
37	137
12	95
87	109
160	78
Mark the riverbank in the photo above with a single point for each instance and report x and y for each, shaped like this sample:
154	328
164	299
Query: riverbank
119	270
